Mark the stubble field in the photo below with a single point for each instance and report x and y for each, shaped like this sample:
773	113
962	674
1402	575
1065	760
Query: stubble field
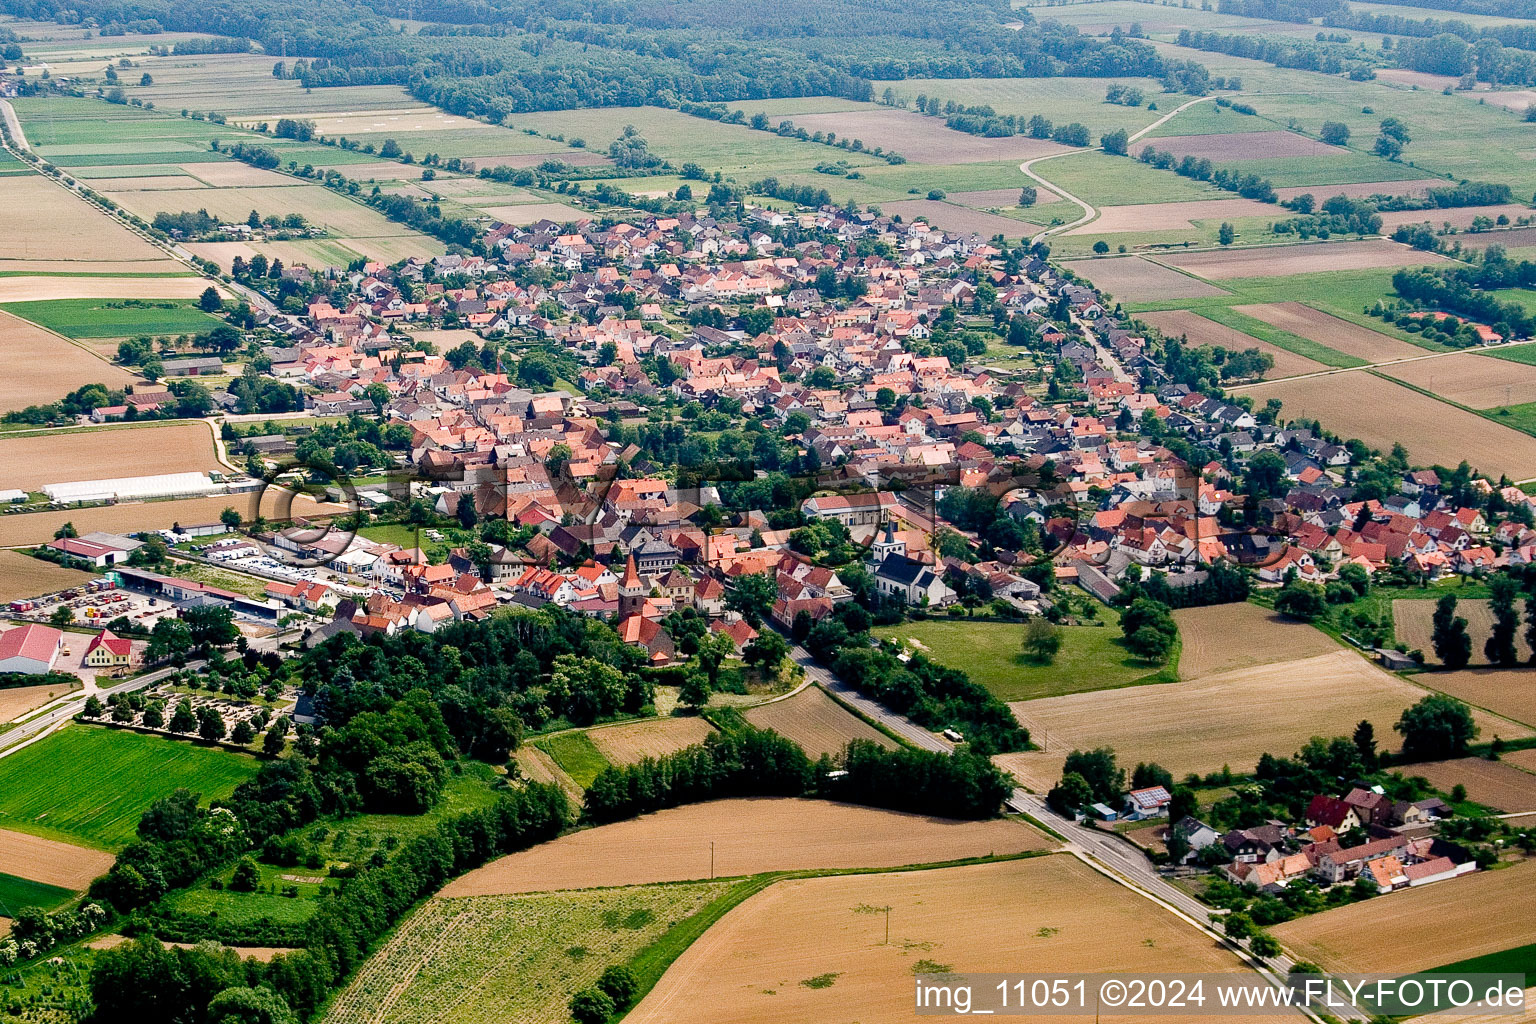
1414	624
130	517
1358	404
815	950
22	576
1340	335
1470	379
1238	146
1510	692
1224	637
1201	331
1133	279
32	460
1496	784
1421	928
16	701
1282	261
42	367
817	722
626	744
39	220
1229	718
749	836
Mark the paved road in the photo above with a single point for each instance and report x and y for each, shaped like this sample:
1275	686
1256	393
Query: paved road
15	739
898	724
13	125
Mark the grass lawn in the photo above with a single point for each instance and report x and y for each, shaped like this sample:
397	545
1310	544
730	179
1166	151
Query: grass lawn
90	784
243	908
576	754
1091	657
16	893
408	537
114	318
355	838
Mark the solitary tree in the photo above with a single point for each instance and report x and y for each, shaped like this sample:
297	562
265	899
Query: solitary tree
1042	640
1226	235
209	301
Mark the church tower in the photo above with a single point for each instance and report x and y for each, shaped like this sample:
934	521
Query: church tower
886	544
632	590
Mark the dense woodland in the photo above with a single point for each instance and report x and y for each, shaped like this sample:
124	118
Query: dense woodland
495	58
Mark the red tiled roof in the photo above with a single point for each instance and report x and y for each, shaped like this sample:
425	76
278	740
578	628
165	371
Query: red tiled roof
33	641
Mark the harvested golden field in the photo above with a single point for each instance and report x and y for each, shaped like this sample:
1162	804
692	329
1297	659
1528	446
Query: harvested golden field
51	862
1470	378
1169	216
27	289
922	139
16	701
42	367
817	722
626	744
1285	260
1133	279
165	266
128	517
1418	929
233	174
1242	146
317	204
31	460
1225	719
146	183
1380	412
814	949
1200	331
1496	784
959	219
1510	692
22	576
1340	335
1414	622
1223	637
749	836
42	221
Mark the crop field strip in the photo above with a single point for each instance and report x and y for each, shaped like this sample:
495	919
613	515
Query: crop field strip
42	790
628	743
31	460
42	367
1496	784
17	701
815	721
50	862
1208	633
133	516
749	836
1413	622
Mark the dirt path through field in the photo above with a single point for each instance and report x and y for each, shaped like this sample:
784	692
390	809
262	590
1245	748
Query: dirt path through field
13	125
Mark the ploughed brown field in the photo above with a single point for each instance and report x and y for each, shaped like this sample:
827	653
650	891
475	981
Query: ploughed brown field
1497	784
1381	412
626	744
129	517
50	862
1515	238
1200	331
986	197
961	219
1228	718
749	836
1133	279
1460	218
1470	379
1414	623
817	722
1339	335
922	139
42	367
1168	216
1418	929
16	701
815	949
1510	692
22	576
1285	260
1223	637
1241	146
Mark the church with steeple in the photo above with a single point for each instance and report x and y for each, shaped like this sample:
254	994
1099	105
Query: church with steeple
632	590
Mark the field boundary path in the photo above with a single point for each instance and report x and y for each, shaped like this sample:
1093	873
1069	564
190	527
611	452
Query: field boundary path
28	733
1089	213
13	123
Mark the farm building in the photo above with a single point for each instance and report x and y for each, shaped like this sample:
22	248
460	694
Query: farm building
164	485
99	555
32	648
196	366
108	650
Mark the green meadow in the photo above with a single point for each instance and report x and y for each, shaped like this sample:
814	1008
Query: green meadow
114	318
